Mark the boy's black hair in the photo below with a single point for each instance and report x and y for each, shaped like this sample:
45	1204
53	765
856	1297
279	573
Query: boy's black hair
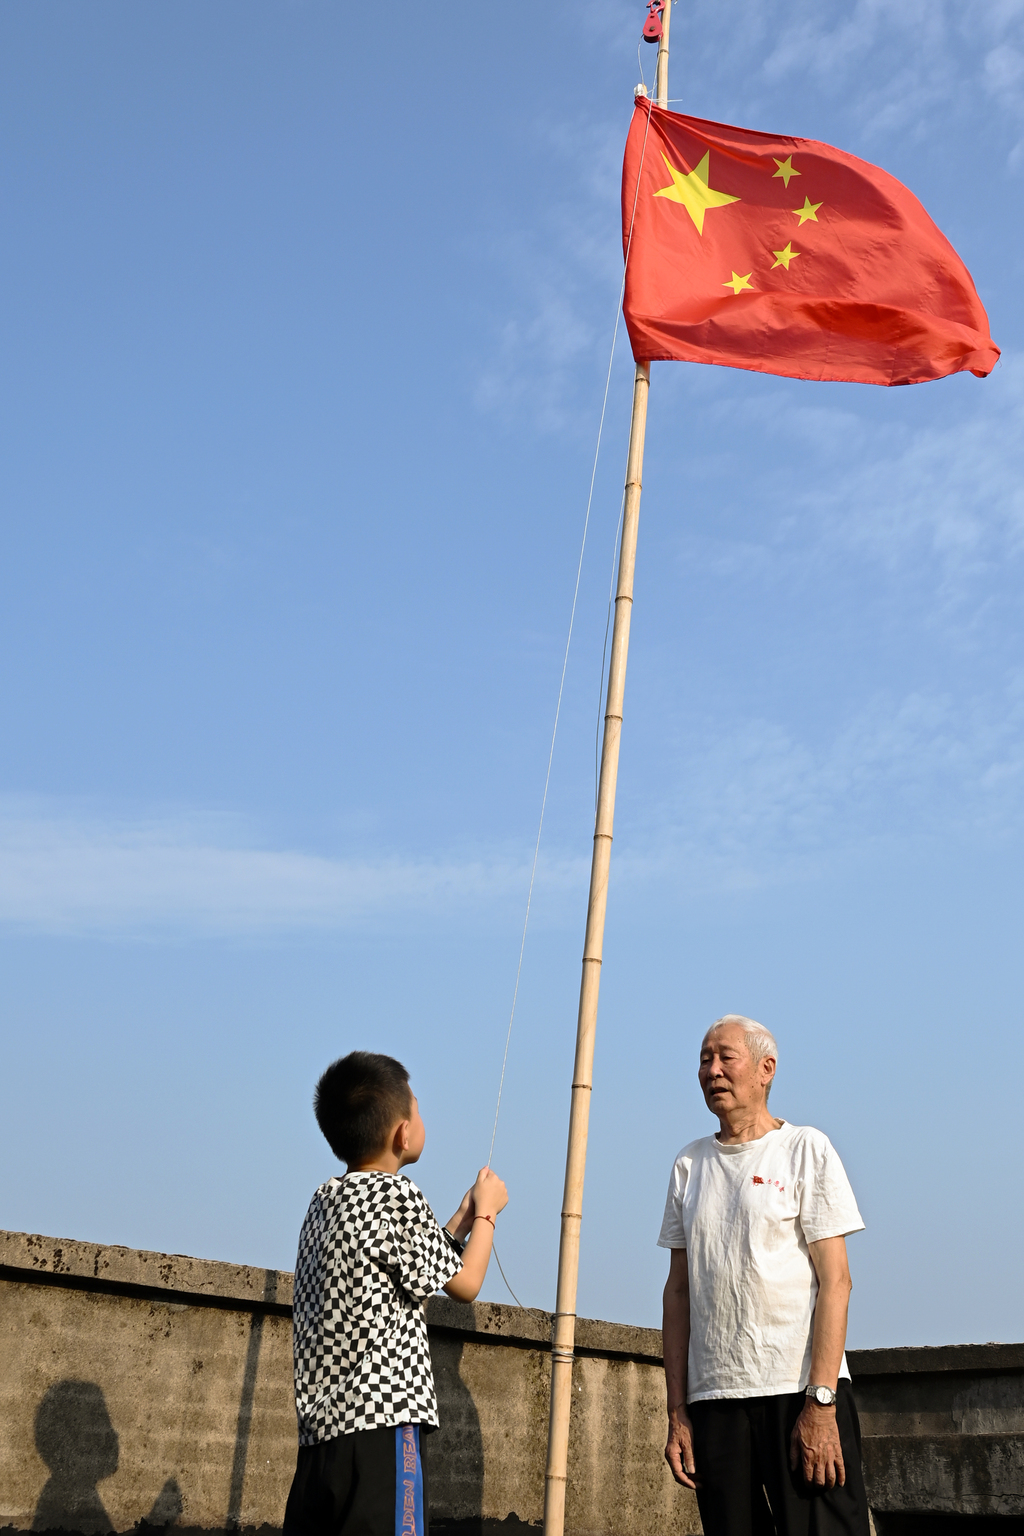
357	1101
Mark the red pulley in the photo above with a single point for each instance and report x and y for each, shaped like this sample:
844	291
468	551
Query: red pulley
652	26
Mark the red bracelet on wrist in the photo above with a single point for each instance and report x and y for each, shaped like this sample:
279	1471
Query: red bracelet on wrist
485	1218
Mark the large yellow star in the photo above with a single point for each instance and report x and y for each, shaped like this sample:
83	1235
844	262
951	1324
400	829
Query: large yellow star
808	211
737	283
785	169
693	192
784	257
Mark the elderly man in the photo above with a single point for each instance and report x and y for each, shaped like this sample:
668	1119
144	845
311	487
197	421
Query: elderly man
762	1422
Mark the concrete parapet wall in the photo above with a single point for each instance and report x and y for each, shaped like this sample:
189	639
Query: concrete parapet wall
152	1387
140	1386
943	1429
143	1386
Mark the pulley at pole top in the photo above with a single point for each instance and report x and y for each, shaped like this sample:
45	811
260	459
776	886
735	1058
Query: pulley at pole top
656	31
653	28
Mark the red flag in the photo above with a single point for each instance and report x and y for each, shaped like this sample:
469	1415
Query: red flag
787	256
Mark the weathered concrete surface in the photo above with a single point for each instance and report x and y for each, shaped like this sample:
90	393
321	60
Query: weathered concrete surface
143	1386
119	1407
946	1474
943	1428
618	1481
166	1272
151	1386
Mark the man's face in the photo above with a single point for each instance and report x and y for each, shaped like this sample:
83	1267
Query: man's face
728	1076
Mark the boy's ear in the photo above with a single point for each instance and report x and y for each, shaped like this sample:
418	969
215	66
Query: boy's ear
400	1140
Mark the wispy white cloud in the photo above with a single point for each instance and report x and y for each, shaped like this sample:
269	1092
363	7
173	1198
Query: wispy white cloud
1004	72
62	872
554	344
940	505
890	63
955	498
759	805
895	64
937	508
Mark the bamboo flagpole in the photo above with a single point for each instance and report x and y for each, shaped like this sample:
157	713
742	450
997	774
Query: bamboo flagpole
564	1332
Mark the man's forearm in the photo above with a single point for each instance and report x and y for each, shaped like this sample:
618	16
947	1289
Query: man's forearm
676	1344
677	1348
830	1316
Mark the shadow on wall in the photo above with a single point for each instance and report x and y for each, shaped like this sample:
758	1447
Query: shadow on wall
454	1453
455	1456
80	1446
243	1428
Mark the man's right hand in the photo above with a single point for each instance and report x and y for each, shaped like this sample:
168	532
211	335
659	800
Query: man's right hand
679	1450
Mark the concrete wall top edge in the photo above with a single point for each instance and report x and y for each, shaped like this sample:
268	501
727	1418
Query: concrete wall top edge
250	1287
55	1256
530	1325
928	1358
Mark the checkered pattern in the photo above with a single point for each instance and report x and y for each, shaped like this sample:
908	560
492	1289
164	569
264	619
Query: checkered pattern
370	1253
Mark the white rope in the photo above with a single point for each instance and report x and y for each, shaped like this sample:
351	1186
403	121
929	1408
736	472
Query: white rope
508	1288
565	661
554	730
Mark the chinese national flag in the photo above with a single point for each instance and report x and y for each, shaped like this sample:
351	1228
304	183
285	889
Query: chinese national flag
787	256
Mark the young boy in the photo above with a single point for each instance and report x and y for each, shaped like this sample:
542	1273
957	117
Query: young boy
370	1253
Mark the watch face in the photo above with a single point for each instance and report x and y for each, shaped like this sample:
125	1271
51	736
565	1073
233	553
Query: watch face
824	1396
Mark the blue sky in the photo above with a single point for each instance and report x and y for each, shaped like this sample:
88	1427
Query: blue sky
304	336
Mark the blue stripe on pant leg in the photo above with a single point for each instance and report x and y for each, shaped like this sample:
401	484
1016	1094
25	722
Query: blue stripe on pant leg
408	1481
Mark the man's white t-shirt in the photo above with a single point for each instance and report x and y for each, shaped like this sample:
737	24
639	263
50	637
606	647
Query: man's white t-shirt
745	1214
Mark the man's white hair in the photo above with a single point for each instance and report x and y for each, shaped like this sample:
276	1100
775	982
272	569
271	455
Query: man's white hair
760	1041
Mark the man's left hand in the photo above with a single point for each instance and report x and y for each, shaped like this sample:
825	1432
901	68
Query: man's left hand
814	1446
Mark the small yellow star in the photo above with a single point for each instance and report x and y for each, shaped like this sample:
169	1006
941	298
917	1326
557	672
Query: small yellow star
784	257
808	211
737	283
785	169
693	191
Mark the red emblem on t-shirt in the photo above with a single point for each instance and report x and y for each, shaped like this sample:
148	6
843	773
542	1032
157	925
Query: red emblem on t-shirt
757	1180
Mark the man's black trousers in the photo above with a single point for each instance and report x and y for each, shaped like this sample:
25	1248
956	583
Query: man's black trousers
741	1452
369	1483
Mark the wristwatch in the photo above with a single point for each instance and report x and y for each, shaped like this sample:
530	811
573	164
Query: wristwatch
823	1396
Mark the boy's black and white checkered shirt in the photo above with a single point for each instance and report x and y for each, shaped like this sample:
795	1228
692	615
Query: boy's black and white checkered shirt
370	1253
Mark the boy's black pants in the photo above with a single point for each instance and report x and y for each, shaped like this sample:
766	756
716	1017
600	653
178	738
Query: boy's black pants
741	1452
370	1483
